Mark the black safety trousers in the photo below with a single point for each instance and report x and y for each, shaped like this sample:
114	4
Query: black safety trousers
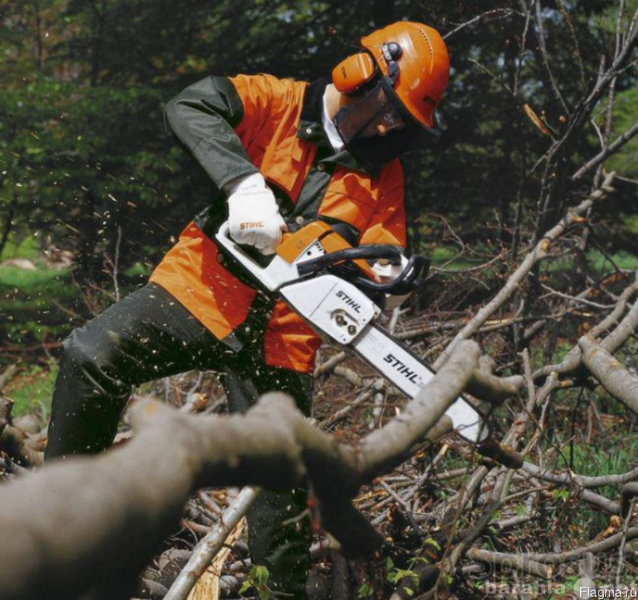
149	335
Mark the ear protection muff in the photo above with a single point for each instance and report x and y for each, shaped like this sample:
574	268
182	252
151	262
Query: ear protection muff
353	72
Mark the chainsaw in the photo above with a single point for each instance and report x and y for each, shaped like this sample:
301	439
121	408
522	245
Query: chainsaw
332	287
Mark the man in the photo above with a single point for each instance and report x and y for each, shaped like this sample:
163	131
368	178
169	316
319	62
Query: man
282	153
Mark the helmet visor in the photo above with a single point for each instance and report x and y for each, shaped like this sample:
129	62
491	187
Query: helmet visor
374	114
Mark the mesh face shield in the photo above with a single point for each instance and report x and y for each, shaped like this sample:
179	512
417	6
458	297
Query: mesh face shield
373	114
376	128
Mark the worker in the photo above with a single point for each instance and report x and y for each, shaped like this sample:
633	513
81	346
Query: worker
281	153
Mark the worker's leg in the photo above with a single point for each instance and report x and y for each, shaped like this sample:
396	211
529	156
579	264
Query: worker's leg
279	531
143	337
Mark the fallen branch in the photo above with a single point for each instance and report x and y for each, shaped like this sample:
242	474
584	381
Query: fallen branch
584	481
504	560
210	545
604	545
572	360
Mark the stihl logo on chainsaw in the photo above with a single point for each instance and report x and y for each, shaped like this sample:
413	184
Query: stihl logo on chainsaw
401	368
348	301
251	224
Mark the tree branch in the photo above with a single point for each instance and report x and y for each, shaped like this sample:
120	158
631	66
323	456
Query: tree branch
611	373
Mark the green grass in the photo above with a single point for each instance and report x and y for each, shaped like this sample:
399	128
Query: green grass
31	281
449	258
26	248
30	305
31	302
31	389
621	260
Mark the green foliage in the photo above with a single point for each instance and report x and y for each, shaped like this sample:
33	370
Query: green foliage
625	115
602	263
32	282
592	460
396	576
560	494
84	179
631	223
25	248
257	582
365	590
616	455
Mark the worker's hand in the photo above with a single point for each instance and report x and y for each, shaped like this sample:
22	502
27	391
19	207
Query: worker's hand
253	215
386	272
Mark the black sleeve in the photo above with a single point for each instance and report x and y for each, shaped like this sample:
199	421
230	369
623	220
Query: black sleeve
203	117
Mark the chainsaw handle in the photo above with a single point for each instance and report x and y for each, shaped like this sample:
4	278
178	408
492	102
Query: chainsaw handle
408	280
278	271
413	273
270	277
367	252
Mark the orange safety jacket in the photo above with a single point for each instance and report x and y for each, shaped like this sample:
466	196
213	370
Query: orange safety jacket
244	124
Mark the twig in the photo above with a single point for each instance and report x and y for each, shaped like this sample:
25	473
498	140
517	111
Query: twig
499	13
364	396
572	359
210	545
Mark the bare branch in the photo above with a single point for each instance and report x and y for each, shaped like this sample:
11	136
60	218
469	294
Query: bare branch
609	543
611	373
511	561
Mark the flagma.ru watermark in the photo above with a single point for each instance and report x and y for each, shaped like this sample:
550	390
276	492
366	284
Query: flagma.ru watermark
604	592
583	589
586	588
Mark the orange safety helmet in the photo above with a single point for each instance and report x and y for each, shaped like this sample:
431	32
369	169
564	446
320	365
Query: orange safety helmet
412	56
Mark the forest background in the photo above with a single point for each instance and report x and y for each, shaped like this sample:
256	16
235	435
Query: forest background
541	108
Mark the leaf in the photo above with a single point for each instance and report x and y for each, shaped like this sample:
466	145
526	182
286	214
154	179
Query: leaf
534	118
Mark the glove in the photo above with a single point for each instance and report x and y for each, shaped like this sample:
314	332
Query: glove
386	272
253	215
